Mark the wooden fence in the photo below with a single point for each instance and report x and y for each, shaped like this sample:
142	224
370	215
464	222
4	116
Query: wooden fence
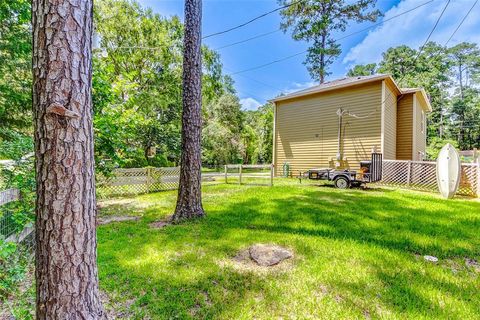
422	175
145	180
249	173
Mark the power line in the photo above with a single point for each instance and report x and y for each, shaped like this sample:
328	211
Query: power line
341	38
461	22
429	35
248	39
414	61
251	20
269	63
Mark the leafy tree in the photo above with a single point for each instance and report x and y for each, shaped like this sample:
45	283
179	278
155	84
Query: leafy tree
429	69
316	21
221	135
465	59
258	135
15	67
465	103
363	70
138	85
436	144
450	76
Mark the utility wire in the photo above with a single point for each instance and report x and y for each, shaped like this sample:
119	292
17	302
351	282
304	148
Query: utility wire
252	20
461	22
248	39
429	35
341	38
414	61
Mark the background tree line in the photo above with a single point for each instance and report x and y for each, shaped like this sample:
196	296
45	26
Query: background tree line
137	68
137	90
451	77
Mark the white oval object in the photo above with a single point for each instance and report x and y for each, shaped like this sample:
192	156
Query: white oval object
449	169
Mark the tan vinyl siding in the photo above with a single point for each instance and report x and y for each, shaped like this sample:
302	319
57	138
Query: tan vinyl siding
306	128
390	122
419	134
404	127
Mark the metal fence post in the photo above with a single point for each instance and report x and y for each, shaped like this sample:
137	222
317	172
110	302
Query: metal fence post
226	174
240	174
271	175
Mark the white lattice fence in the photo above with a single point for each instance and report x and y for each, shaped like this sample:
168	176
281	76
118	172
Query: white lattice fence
421	175
143	180
123	181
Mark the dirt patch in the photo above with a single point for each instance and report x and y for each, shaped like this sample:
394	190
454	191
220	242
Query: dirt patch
159	224
116	310
472	263
162	223
110	219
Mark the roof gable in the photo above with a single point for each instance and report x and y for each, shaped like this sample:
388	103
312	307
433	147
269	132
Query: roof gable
338	84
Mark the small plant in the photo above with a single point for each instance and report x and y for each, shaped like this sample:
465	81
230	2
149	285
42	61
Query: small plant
13	267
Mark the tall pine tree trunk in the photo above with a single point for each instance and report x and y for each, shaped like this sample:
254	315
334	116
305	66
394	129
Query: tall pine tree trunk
189	202
66	259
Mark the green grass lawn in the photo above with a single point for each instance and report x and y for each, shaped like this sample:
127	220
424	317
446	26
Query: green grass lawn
358	254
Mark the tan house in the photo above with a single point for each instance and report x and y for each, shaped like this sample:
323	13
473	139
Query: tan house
339	123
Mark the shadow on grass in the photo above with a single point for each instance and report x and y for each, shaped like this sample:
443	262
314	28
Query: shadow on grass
174	272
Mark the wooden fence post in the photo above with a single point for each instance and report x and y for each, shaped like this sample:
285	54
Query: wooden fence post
409	172
148	179
271	175
240	174
226	174
478	177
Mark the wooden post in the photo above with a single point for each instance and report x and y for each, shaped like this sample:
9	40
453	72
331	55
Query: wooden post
409	172
478	177
148	179
271	175
226	174
240	174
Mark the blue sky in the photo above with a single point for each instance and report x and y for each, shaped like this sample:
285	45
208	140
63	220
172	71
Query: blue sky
255	87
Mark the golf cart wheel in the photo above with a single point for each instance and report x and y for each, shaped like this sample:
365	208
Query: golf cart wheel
342	183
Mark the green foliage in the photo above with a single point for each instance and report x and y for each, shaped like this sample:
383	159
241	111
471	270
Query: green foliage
435	145
15	66
13	267
14	216
258	135
221	135
137	86
15	145
450	76
315	21
363	70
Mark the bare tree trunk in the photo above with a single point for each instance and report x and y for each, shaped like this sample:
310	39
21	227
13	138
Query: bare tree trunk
322	59
189	202
66	258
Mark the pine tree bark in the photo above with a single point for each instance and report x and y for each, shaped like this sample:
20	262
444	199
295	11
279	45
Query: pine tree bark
189	201
66	267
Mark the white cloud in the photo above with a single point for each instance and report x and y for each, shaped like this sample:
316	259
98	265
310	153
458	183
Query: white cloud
413	28
250	104
297	86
